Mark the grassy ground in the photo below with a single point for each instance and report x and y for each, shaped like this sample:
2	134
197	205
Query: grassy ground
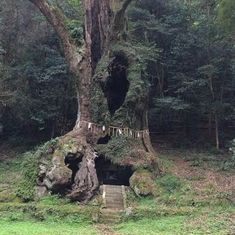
194	196
216	219
36	228
51	215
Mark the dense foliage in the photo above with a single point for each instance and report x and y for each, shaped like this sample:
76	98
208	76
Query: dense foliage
192	76
188	61
38	96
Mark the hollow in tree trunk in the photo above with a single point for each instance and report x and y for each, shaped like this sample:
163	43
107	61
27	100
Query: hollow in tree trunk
113	103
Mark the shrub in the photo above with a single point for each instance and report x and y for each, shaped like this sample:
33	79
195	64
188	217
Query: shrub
229	164
170	182
26	189
30	168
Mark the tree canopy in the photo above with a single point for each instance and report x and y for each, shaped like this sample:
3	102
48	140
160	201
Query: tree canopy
189	66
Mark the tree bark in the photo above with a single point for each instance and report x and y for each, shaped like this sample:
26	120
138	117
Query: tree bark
105	24
217	132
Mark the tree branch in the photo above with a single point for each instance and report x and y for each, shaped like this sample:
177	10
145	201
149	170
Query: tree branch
126	4
57	20
119	20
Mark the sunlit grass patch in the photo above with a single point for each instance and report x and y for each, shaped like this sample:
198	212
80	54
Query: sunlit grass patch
196	224
33	228
162	225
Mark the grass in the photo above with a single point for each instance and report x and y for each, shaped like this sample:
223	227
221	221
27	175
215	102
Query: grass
165	225
10	175
10	171
178	212
39	228
179	225
176	207
51	215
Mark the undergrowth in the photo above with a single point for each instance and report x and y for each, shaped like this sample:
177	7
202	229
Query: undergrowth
116	149
30	169
49	209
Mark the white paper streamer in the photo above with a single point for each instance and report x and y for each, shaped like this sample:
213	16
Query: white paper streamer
89	125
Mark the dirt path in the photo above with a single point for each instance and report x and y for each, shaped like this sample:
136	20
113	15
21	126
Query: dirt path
104	229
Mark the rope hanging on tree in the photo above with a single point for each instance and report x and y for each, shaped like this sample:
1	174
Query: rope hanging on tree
115	131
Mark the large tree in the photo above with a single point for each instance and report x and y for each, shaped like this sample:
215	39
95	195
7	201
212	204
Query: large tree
112	97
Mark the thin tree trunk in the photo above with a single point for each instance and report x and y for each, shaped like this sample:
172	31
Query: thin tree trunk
217	132
210	124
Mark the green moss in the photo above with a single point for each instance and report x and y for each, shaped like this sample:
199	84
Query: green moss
135	103
142	183
69	145
116	149
26	189
30	169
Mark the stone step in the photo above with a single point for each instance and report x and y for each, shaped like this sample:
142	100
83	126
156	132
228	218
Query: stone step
116	207
108	211
108	195
113	190
108	219
113	198
108	202
109	216
113	194
112	186
114	201
114	204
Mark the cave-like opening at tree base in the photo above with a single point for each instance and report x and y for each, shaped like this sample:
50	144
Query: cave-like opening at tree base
104	140
72	161
112	174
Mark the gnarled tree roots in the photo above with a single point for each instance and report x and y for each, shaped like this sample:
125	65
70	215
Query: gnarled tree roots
69	168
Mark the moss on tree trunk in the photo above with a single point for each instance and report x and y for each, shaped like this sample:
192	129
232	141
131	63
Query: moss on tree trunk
111	92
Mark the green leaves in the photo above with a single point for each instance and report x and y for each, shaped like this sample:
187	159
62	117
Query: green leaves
171	104
226	15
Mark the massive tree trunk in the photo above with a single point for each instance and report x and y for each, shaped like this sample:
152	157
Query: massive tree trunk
112	97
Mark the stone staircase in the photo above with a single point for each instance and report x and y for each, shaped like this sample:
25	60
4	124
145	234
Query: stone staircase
114	203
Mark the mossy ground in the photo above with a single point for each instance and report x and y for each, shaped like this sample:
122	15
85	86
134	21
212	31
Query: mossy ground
192	197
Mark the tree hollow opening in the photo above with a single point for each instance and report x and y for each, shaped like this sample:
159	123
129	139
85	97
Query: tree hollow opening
117	84
104	140
112	174
72	161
